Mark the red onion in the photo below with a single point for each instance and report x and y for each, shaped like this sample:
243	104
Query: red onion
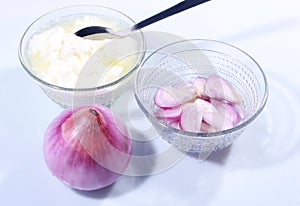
204	105
199	86
207	127
220	89
191	118
169	97
172	113
217	120
88	147
226	110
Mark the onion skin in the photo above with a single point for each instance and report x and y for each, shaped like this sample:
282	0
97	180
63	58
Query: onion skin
73	164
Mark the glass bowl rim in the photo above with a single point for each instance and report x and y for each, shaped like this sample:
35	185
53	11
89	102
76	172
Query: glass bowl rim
204	135
68	89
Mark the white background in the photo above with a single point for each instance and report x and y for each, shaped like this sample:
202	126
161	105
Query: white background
261	168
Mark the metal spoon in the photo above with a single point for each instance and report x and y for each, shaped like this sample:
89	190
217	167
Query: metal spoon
110	33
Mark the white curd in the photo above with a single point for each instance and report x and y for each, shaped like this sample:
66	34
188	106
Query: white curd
59	57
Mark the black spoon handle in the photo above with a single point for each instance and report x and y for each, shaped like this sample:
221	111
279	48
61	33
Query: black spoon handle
184	5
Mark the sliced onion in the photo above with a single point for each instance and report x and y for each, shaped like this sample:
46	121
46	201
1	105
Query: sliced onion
169	97
199	87
204	105
191	118
240	110
220	89
207	128
227	111
174	123
172	113
217	120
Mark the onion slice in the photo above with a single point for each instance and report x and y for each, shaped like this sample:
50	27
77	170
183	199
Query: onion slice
207	128
172	113
227	111
169	96
204	105
191	118
217	120
199	87
175	124
220	89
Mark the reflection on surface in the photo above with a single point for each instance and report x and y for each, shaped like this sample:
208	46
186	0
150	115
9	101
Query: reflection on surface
151	154
123	186
2	176
275	135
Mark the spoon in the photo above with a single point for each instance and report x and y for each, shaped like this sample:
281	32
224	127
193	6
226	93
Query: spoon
184	5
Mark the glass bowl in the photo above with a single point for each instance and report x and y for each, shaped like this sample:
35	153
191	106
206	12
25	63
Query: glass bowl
103	94
182	61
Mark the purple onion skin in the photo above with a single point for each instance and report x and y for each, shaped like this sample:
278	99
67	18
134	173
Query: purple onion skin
75	167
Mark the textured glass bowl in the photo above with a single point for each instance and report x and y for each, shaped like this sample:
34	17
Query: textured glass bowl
67	97
181	62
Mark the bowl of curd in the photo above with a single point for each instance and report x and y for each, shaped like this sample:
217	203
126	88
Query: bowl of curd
74	71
